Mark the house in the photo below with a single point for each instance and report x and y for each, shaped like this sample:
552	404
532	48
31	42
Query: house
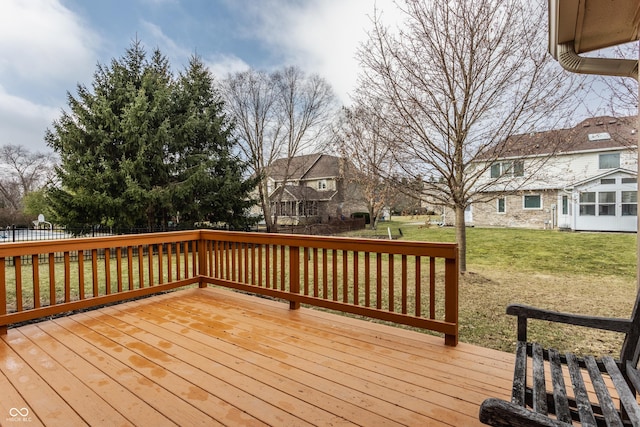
313	188
582	178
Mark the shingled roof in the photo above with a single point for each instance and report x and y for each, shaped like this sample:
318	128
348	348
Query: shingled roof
596	133
301	192
310	166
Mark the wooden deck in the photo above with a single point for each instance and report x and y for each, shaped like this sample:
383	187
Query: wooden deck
216	357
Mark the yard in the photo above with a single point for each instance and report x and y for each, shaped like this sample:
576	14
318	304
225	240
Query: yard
586	273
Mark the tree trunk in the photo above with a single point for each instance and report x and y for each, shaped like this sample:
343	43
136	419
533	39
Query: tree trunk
266	207
461	238
372	219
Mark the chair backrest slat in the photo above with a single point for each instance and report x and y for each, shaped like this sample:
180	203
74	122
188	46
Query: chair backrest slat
631	346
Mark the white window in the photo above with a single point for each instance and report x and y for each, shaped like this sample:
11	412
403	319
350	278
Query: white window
501	205
588	203
511	168
629	203
532	201
609	161
565	205
607	203
518	168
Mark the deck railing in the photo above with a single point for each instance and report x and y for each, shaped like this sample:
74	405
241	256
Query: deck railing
411	283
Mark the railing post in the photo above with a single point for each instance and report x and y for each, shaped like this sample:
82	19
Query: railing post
3	295
451	298
294	275
202	259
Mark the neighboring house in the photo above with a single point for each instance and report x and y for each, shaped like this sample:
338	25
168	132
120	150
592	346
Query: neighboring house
583	178
315	189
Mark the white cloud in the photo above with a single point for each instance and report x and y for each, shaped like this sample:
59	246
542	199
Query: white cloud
219	64
222	65
325	40
168	46
23	122
320	37
41	39
44	50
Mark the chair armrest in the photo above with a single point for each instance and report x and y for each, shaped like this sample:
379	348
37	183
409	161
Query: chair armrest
500	413
525	312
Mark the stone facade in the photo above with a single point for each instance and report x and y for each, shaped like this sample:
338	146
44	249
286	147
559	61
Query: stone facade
513	212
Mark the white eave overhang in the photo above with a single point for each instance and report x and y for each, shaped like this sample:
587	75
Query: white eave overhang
580	26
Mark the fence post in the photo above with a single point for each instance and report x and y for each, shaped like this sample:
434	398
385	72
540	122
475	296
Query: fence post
294	275
451	297
3	295
202	258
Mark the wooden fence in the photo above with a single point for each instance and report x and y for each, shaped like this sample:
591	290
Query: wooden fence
411	283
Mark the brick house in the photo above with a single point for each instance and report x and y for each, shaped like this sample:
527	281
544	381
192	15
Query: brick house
582	178
315	189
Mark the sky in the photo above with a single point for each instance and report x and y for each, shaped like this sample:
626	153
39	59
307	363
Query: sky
48	47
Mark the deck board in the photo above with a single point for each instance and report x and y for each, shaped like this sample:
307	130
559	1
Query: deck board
216	357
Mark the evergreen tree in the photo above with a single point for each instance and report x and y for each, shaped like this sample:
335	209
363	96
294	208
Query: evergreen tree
208	177
144	147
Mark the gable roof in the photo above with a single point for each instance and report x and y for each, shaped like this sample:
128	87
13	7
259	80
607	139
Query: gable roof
310	166
302	193
602	175
594	134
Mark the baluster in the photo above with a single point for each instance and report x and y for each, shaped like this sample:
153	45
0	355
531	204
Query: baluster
94	271
107	271
67	277
391	284
150	264
418	290
130	266
81	274
367	279
140	267
17	267
404	284
119	268
315	272
356	289
35	268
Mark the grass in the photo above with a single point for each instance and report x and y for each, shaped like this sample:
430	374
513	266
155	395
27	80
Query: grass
545	251
586	273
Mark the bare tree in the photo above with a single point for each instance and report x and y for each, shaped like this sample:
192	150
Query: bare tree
278	116
360	141
23	172
455	80
622	92
250	98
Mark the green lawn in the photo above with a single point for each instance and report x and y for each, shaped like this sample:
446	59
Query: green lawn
586	273
533	250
